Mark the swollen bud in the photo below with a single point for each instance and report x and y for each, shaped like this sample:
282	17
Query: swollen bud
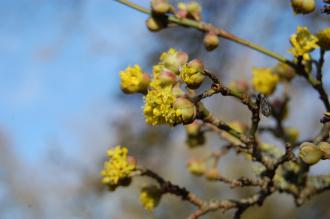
212	174
310	153
196	167
154	24
324	38
239	86
193	73
185	109
284	71
325	148
173	59
303	6
195	137
211	41
167	77
160	6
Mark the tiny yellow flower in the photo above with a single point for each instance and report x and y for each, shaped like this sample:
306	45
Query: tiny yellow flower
118	167
158	107
192	73
150	197
264	81
134	80
324	38
303	42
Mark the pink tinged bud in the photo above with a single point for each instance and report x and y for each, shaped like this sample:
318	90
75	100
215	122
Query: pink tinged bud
182	57
131	160
160	6
239	86
167	77
196	64
185	109
181	13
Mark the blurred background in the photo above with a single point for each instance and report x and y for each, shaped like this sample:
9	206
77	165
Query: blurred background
61	106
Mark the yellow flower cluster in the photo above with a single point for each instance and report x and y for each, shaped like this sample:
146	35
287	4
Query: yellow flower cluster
303	42
150	197
118	168
134	80
158	108
264	81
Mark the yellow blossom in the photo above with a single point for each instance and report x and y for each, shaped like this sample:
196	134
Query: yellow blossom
264	81
134	80
158	108
302	43
118	167
192	73
150	197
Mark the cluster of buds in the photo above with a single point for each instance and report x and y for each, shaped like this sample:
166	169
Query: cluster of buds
191	10
312	154
165	101
161	8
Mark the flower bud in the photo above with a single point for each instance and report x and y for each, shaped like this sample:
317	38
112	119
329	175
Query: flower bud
324	38
212	174
239	86
177	91
193	73
194	10
173	59
160	6
211	41
185	109
150	197
195	137
167	77
284	71
310	153
196	167
292	134
325	148
154	24
303	6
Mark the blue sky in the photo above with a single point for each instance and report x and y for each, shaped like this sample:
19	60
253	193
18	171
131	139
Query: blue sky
57	61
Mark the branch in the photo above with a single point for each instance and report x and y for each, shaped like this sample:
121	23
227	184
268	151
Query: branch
205	27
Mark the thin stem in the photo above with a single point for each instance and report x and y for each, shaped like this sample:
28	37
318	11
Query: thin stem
205	27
